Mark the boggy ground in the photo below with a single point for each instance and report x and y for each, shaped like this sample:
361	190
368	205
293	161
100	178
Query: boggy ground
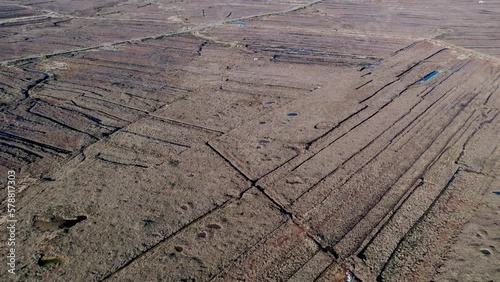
251	140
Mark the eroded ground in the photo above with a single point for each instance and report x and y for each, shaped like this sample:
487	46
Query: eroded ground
252	140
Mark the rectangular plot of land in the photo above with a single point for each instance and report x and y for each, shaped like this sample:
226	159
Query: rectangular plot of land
134	190
278	257
209	246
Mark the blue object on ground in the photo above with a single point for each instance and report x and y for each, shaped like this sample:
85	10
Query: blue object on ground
430	75
240	23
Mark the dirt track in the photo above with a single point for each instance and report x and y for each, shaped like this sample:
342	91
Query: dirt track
251	140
